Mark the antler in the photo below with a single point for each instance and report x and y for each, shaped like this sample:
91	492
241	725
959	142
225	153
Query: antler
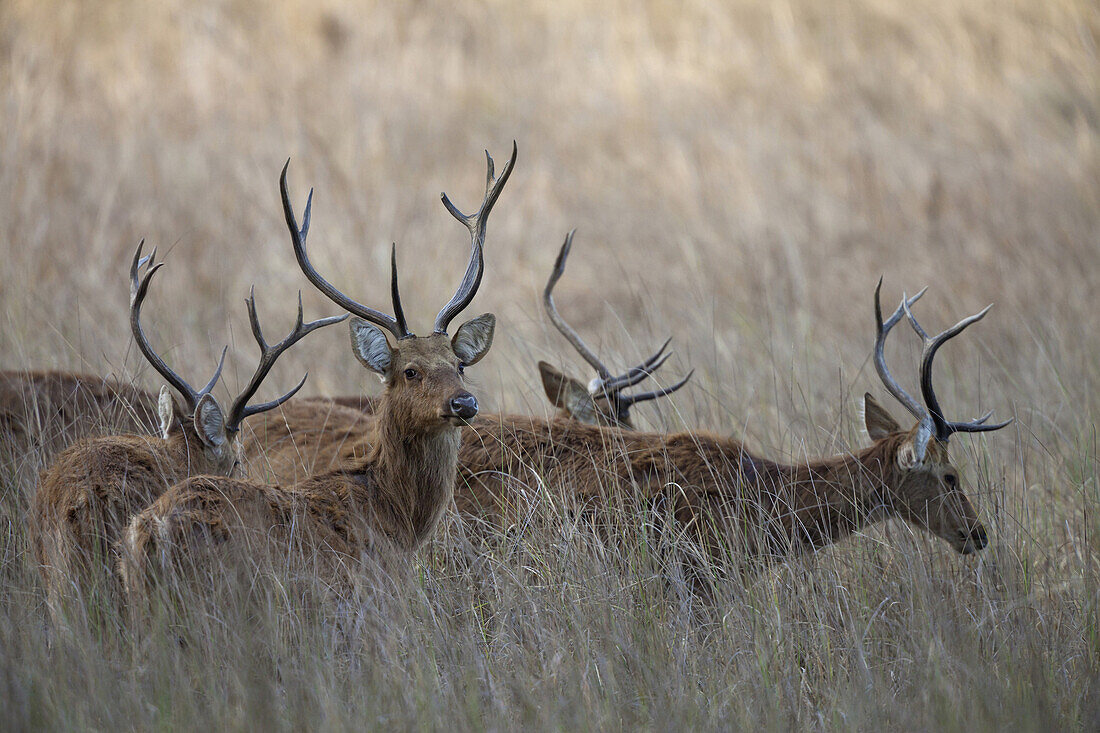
944	428
476	223
139	288
605	382
564	328
240	410
394	324
914	407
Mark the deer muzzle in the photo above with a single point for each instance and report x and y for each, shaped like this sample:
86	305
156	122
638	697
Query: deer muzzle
973	541
462	406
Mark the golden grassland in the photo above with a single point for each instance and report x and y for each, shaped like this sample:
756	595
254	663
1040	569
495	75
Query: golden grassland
740	175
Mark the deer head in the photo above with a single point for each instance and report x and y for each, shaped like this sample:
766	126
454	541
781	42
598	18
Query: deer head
423	374
924	485
202	416
604	400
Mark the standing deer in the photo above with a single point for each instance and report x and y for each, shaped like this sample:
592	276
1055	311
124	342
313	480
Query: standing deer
391	498
88	495
722	493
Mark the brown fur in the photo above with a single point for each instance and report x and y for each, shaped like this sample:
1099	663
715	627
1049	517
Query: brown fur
86	497
393	495
43	412
715	483
710	482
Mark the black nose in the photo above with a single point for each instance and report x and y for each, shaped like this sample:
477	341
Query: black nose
464	405
974	540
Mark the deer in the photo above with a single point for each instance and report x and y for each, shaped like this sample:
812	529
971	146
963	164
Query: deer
388	501
724	495
86	497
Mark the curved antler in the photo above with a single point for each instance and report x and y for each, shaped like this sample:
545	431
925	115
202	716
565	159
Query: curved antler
394	324
626	401
564	328
476	223
910	404
605	383
945	428
240	410
139	288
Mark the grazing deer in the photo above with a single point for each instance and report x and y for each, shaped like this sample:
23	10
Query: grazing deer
603	401
87	496
719	491
391	498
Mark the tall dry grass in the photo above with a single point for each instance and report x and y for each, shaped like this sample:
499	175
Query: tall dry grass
740	174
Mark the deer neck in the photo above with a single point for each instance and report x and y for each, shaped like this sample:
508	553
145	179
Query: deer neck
414	474
832	498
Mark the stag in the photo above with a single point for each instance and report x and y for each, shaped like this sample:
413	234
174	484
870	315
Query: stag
88	495
728	497
388	501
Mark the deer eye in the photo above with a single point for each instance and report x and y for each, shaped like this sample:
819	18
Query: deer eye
461	367
951	480
411	374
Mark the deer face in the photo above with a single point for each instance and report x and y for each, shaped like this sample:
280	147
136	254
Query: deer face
574	400
424	375
927	492
220	450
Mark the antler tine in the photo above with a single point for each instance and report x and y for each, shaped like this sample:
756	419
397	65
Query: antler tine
564	328
636	374
268	355
628	400
932	344
476	223
136	266
298	237
883	329
138	290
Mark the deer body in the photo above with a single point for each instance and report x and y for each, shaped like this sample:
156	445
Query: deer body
92	489
390	499
43	412
712	484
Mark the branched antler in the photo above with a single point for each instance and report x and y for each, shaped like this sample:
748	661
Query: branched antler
944	427
139	288
605	383
476	223
930	414
240	410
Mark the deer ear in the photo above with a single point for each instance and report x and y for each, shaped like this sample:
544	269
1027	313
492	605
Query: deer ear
209	422
370	345
879	422
567	393
473	338
166	411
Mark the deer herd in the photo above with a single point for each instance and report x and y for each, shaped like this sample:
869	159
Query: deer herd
325	483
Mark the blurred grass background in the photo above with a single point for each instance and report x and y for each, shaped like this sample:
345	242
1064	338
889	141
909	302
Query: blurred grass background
740	175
